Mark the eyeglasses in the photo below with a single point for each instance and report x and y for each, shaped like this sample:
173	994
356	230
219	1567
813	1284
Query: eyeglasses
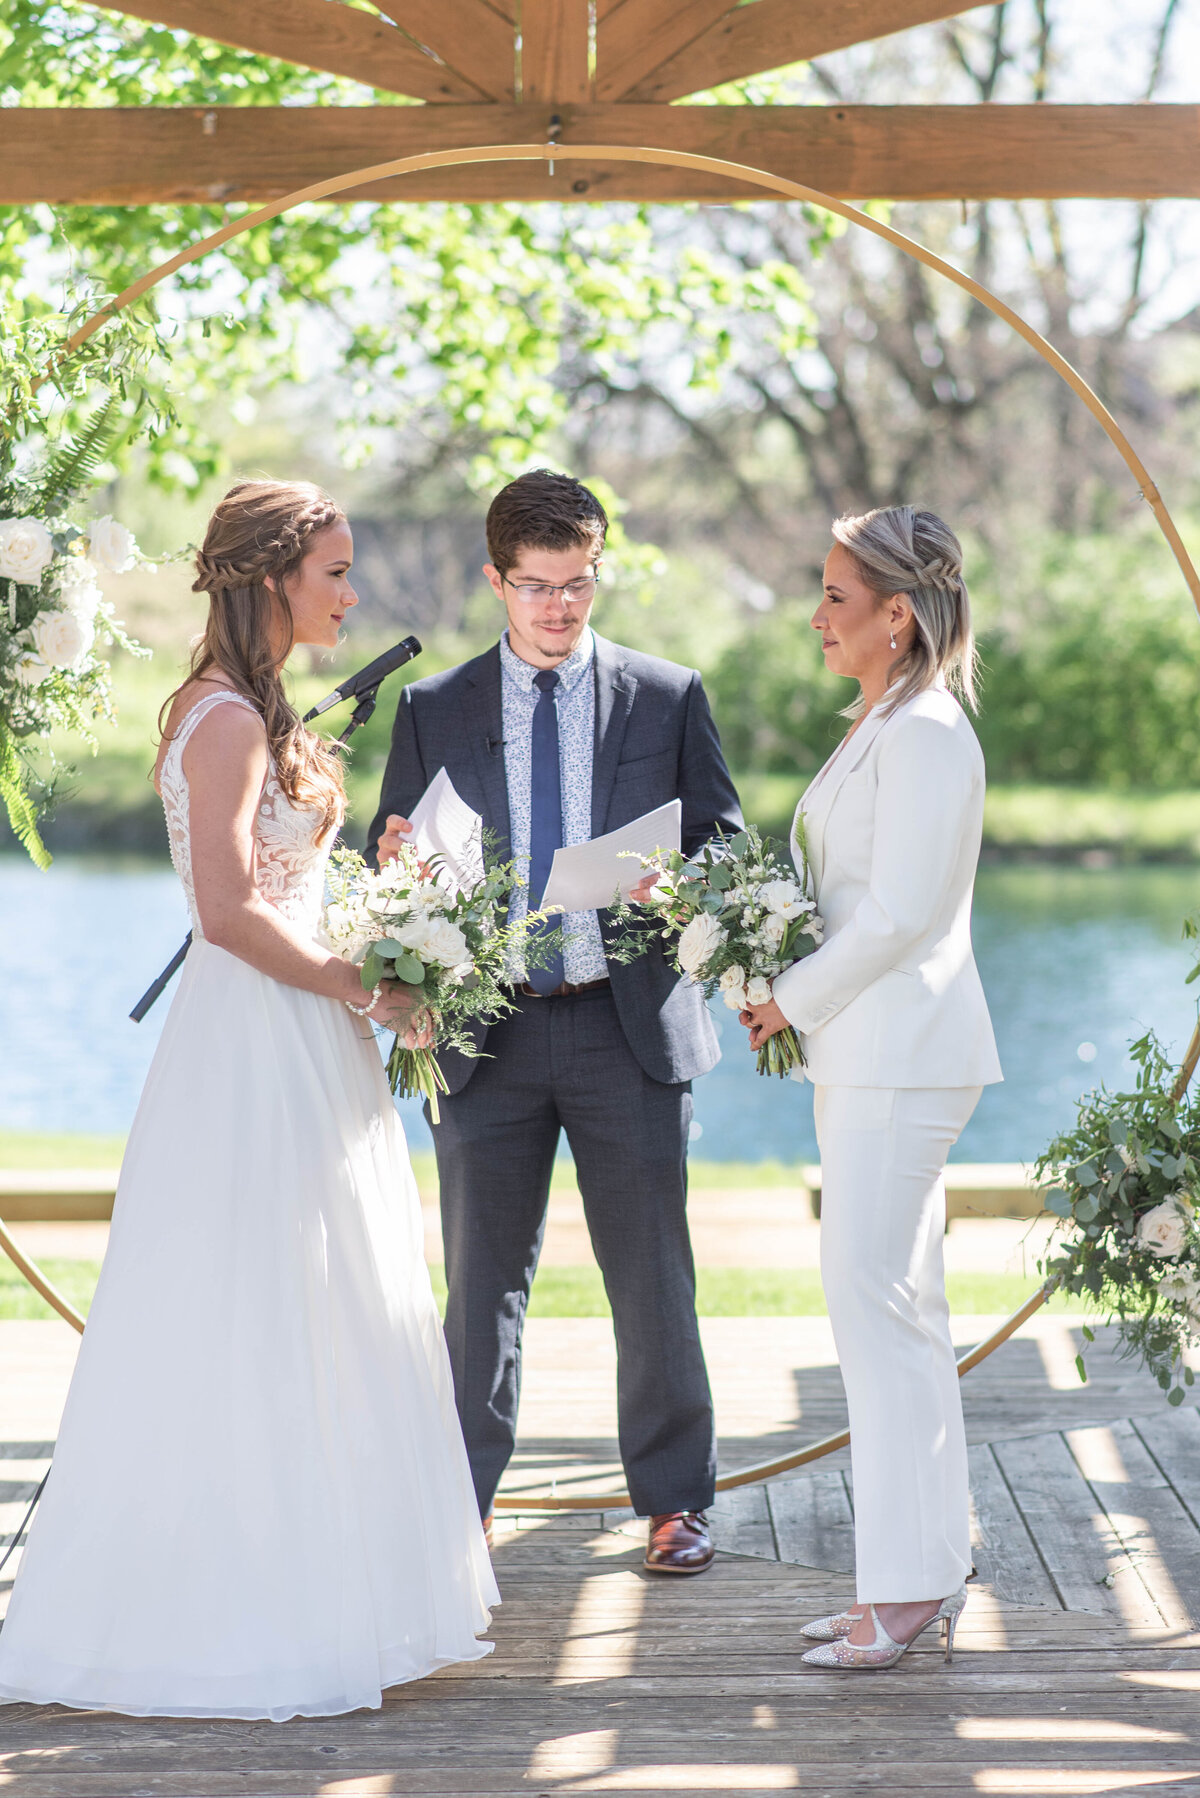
536	593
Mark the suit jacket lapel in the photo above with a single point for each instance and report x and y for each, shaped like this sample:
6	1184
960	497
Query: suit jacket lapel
615	690
816	817
483	720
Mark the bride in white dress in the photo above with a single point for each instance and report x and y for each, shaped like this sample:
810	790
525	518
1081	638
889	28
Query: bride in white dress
260	1504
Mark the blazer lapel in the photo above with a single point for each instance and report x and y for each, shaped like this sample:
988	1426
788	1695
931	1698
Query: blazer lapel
816	816
615	690
483	720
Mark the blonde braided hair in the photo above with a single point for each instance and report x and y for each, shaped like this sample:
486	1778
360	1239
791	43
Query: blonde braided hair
904	549
264	529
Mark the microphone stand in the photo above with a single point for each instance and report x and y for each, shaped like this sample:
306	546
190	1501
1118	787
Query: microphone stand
367	700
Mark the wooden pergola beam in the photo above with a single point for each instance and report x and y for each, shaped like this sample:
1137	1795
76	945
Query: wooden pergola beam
168	155
773	33
469	36
318	34
554	51
640	34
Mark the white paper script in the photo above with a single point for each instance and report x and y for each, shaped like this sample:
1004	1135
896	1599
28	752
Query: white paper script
444	825
586	877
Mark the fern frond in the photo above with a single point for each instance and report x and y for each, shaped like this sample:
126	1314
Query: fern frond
22	814
74	463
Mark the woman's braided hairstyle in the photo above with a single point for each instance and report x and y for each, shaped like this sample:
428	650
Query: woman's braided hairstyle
261	529
903	549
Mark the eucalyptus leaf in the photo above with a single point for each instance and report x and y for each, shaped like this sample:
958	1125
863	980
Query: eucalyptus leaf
1085	1174
1087	1208
410	968
373	971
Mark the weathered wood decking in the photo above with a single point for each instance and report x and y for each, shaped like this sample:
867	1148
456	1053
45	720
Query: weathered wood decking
1077	1671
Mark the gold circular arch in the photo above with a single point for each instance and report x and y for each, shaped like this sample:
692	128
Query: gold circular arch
792	190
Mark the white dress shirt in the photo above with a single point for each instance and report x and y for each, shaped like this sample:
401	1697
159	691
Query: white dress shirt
575	700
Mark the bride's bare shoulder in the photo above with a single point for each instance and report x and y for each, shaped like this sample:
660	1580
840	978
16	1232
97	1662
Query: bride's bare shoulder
189	696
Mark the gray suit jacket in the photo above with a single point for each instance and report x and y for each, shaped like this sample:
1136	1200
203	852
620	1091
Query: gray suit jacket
655	741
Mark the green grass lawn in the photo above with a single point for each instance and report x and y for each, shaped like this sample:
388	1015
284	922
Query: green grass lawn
579	1291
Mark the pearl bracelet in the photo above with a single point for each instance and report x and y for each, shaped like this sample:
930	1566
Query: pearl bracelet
373	998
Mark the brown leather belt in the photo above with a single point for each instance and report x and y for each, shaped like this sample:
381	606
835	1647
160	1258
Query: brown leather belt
566	990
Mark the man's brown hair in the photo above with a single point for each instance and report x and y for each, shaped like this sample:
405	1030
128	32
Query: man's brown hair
544	510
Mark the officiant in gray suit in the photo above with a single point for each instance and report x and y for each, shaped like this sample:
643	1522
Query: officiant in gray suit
556	736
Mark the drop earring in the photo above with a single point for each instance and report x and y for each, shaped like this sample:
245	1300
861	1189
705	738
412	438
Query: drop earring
892	639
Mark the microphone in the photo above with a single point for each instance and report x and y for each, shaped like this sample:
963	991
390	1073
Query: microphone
370	676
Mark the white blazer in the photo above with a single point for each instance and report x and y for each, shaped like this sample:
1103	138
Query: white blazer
894	820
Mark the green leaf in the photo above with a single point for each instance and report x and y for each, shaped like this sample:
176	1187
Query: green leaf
1089	1335
1058	1201
1189	1378
1087	1208
738	845
1175	1396
389	947
1085	1174
721	877
1080	1369
410	968
373	971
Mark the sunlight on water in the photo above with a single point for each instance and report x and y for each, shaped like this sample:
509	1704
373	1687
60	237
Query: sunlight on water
1076	962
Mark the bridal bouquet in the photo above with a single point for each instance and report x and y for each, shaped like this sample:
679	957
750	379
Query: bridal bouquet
1126	1183
449	944
735	916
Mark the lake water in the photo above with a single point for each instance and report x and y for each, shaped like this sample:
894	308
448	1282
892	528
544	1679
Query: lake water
1076	964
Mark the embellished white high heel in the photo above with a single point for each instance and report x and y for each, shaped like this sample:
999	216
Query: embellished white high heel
830	1629
884	1651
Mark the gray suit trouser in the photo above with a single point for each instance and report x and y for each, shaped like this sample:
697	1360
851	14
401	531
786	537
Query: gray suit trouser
564	1064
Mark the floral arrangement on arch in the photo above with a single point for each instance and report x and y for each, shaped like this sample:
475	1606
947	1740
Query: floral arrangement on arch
54	620
1126	1183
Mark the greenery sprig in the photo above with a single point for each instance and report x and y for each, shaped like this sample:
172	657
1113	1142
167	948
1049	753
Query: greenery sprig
1125	1181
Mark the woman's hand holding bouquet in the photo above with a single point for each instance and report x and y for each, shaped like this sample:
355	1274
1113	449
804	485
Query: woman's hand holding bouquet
449	947
735	916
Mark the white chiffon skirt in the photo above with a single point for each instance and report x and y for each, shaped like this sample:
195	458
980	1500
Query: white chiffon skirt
260	1504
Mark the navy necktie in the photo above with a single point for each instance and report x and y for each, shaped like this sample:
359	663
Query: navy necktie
545	823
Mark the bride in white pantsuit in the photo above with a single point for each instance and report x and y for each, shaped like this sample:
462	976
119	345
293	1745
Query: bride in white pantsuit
899	1046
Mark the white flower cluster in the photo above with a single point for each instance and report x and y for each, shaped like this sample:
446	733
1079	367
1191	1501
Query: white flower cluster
60	638
399	911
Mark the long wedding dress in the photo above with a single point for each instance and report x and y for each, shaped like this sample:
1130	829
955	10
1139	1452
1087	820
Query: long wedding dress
260	1504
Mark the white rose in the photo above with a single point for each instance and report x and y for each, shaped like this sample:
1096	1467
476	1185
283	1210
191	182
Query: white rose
446	944
758	991
733	976
26	550
815	928
774	929
699	943
112	545
62	638
30	671
782	896
1162	1231
735	998
78	588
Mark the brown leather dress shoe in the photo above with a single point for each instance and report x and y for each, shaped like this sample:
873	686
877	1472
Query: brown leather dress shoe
679	1543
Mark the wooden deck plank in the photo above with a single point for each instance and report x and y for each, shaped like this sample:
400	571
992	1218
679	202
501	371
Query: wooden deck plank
1159	1537
741	1523
1006	1555
1173	1438
814	1520
1075	1542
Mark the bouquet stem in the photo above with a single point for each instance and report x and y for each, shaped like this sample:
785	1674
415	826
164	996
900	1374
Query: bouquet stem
781	1053
415	1074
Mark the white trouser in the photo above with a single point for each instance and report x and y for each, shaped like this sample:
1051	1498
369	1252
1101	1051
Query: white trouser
883	1215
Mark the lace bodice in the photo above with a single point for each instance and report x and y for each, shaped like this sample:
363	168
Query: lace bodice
289	862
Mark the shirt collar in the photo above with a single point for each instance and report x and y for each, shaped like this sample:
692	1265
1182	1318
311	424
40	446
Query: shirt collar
570	672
